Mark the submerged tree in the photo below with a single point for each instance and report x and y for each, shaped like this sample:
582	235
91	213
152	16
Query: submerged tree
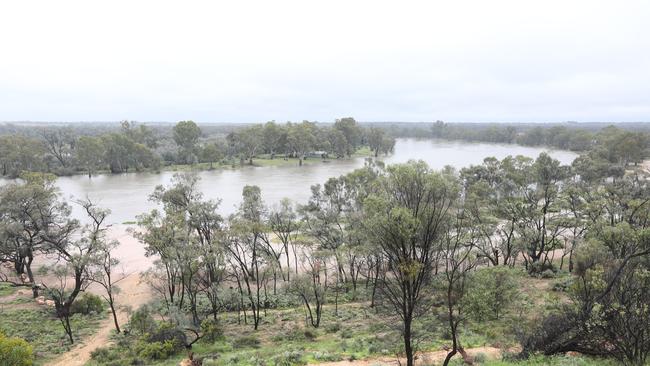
284	224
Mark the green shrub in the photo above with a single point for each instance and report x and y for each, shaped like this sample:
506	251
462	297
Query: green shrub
15	351
491	292
326	357
282	301
104	355
547	273
333	327
288	358
210	362
142	321
563	285
157	350
538	269
246	341
87	304
168	332
346	333
212	330
310	334
480	358
6	289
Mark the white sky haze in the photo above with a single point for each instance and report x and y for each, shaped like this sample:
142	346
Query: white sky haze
254	61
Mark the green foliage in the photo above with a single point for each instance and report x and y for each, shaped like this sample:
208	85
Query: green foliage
43	330
491	292
15	351
167	332
326	357
212	330
88	304
563	284
157	350
333	327
248	341
6	289
296	335
542	269
560	360
108	356
186	134
289	358
142	321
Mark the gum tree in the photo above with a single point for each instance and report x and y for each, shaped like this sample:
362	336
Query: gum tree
405	221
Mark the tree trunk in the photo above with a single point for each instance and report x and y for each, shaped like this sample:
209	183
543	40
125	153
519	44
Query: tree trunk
30	275
408	347
111	303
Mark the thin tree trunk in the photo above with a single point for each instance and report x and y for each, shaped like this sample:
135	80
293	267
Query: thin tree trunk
111	303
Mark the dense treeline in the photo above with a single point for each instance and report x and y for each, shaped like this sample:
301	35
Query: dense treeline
66	150
70	149
629	144
402	239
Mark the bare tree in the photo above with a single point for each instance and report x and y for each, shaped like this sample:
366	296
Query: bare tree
103	272
313	285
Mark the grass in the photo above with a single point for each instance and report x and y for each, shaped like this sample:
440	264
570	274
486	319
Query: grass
363	152
6	289
555	361
356	332
38	326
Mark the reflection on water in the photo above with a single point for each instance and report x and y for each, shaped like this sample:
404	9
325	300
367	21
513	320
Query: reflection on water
126	195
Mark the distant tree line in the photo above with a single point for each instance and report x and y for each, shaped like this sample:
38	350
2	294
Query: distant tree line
573	137
70	149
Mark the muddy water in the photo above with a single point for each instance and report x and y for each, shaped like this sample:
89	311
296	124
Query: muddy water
126	195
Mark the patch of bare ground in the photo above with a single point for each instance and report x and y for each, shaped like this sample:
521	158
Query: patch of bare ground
645	166
133	294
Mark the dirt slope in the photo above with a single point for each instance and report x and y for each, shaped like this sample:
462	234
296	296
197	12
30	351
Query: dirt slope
133	293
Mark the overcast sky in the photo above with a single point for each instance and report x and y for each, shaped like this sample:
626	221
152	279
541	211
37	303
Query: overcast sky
254	61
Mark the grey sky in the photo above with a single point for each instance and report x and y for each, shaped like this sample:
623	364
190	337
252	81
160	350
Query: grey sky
253	61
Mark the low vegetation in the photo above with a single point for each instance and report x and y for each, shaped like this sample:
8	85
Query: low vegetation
40	331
